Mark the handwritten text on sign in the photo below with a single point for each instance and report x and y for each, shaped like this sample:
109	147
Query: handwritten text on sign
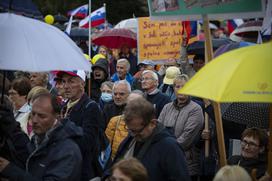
159	40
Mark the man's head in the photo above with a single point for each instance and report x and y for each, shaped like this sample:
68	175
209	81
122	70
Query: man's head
73	84
199	62
39	79
254	142
45	113
122	68
121	90
146	65
125	49
140	119
179	82
20	87
149	81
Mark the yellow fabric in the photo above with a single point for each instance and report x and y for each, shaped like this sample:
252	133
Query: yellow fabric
241	75
97	57
116	132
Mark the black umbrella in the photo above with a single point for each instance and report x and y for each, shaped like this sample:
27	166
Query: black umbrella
79	34
250	114
198	47
25	7
60	18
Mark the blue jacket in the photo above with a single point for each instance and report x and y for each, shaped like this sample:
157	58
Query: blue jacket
129	78
163	158
57	157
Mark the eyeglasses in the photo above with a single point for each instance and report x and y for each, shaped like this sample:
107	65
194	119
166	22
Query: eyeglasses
135	131
119	93
146	79
250	144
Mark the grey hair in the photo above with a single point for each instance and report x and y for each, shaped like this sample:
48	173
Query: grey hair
124	82
108	84
154	75
123	60
182	77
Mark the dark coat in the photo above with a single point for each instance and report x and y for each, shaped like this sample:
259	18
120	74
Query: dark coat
87	114
57	157
110	110
249	164
158	100
163	158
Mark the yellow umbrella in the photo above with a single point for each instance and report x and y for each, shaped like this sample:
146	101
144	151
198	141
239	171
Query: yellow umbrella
242	75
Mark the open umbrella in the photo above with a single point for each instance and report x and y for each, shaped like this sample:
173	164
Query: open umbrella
247	31
25	7
115	38
31	45
79	33
242	75
198	47
131	24
231	46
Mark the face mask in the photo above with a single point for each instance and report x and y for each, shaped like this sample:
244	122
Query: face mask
106	97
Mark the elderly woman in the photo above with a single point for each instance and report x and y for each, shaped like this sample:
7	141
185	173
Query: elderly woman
253	151
187	120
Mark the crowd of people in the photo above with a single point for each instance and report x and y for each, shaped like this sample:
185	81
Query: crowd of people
126	122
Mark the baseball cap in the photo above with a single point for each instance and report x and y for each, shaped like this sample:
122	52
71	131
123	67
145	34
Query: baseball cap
170	74
147	62
77	73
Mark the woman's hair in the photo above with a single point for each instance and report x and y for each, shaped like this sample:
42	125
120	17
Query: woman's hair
22	85
232	173
35	92
109	84
258	134
132	168
182	77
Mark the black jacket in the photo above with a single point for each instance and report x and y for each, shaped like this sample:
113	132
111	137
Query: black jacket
57	157
110	110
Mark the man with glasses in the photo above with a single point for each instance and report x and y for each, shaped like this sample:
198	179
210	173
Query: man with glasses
121	89
150	83
151	143
254	142
85	113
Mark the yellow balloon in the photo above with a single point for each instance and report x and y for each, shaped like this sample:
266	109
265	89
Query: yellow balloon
49	19
97	57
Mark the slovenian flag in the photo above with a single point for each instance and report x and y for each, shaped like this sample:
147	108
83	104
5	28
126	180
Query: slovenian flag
80	12
233	24
97	18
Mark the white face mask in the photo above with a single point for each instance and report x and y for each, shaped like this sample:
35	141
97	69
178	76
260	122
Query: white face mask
106	97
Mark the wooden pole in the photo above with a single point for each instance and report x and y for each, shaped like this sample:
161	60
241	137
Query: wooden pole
220	134
269	166
208	57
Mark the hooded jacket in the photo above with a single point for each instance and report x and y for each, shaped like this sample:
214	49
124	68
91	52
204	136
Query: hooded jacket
160	154
96	84
56	157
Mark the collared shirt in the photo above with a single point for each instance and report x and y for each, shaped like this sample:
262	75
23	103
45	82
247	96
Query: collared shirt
21	112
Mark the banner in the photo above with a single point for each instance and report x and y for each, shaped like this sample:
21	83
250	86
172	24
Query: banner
159	40
215	9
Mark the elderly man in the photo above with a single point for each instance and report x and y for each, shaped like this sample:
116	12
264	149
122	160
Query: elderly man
42	79
121	90
152	93
54	154
122	71
151	143
85	113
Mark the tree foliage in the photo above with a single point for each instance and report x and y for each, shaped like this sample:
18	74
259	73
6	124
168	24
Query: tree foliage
116	10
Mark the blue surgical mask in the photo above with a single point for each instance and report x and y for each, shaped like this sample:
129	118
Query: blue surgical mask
106	97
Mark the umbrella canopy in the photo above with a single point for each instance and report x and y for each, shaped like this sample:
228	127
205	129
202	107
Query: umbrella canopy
231	46
25	7
115	38
79	34
31	45
131	24
247	31
60	18
198	47
242	75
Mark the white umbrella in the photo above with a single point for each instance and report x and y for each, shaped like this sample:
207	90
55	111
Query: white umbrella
131	24
30	45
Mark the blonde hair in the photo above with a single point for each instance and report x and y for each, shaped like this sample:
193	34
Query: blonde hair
35	91
232	173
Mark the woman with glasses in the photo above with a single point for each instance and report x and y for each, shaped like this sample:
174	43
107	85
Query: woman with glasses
253	151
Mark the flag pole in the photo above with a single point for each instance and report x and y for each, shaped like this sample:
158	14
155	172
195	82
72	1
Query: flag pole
90	44
106	21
